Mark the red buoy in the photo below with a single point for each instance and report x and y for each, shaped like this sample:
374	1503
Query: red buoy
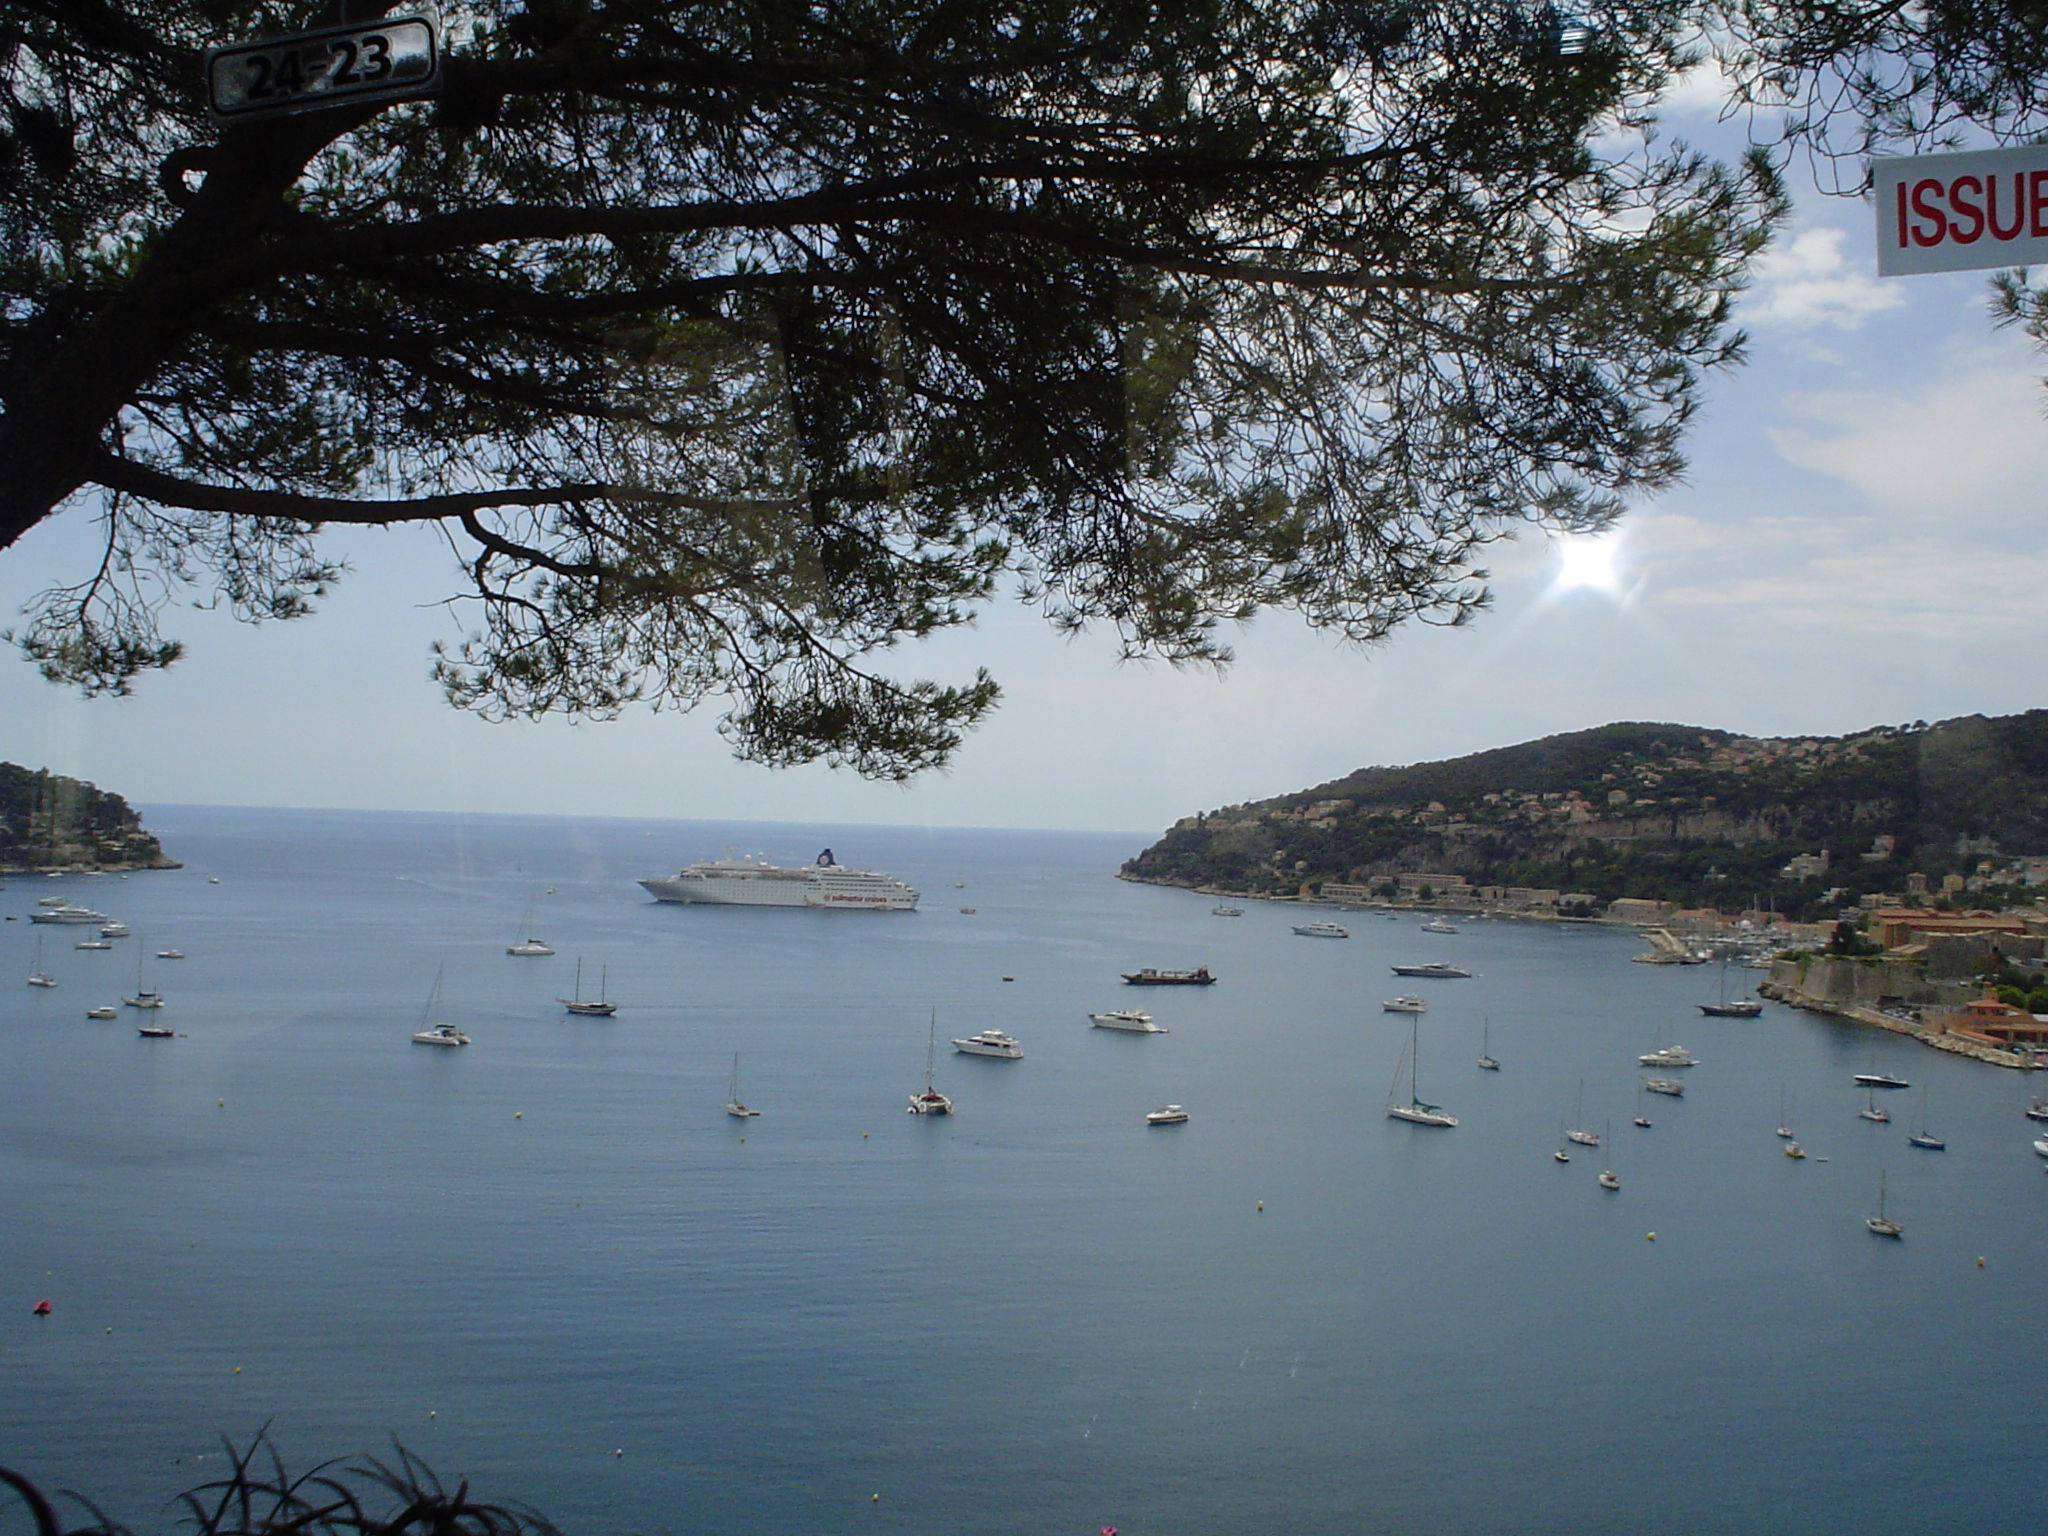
42	1309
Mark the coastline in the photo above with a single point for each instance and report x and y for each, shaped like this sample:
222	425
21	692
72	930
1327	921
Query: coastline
30	871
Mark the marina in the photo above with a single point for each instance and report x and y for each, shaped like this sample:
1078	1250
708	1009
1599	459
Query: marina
572	1229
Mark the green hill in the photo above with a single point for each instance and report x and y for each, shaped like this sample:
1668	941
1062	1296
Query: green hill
1660	811
50	822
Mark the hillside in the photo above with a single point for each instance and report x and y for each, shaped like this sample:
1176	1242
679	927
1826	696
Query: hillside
50	822
1659	811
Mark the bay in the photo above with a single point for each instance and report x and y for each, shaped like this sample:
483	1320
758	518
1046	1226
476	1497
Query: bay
550	1264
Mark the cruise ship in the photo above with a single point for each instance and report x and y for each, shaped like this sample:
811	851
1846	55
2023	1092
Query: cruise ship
749	882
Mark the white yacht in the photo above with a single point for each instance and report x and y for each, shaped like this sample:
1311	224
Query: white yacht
144	998
1438	925
1404	1005
529	947
1669	1056
1438	969
825	885
991	1042
115	930
170	954
1322	930
1136	1020
1226	911
104	1011
1167	1114
93	944
68	914
1670	1087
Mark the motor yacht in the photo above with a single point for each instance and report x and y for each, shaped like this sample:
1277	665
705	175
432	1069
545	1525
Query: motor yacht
1135	1020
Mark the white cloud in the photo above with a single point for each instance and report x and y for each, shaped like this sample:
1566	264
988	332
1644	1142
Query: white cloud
1808	282
1967	448
1702	93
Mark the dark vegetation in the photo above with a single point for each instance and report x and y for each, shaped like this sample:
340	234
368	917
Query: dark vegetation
48	820
259	1497
1660	811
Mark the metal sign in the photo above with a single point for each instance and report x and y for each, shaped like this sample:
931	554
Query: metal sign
1955	213
396	59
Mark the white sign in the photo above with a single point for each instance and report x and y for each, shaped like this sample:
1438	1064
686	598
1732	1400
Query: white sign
1954	213
390	60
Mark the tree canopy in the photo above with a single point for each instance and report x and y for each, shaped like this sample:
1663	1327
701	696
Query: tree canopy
733	343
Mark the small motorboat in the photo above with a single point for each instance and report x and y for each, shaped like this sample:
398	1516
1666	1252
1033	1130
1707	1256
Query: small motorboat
1167	1114
103	1013
1404	1005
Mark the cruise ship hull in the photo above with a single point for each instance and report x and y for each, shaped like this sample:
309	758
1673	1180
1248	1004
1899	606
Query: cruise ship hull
748	883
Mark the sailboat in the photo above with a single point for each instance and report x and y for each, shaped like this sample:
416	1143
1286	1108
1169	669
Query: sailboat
436	1034
1416	1111
37	976
1577	1132
1882	1224
1784	1125
1921	1137
1738	1008
1642	1119
1870	1111
584	1007
144	997
529	946
1608	1179
931	1101
1487	1061
734	1105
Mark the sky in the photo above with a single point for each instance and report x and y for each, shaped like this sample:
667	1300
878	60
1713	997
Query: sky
1858	542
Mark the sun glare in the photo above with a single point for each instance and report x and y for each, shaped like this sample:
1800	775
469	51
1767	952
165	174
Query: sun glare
1592	562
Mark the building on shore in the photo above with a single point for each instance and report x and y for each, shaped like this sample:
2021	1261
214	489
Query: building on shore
1906	925
1992	1022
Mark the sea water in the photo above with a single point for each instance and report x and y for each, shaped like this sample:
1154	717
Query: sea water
550	1263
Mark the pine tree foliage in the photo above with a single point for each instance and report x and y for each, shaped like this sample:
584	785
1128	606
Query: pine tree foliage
732	344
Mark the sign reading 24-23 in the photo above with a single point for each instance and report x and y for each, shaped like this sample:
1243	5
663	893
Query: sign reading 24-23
395	59
1952	213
